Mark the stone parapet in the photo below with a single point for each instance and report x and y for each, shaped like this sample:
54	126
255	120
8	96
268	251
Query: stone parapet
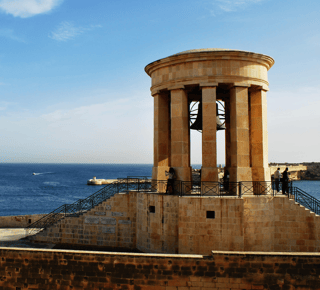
19	221
64	269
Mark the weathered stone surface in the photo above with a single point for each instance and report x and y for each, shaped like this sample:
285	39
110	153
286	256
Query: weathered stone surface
52	269
108	221
124	222
100	213
91	220
108	230
118	213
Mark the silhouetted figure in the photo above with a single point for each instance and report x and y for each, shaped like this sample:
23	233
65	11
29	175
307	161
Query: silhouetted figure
285	181
277	176
170	184
226	178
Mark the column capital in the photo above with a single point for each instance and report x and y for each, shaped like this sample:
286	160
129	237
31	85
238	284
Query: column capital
176	87
239	84
259	88
155	92
208	84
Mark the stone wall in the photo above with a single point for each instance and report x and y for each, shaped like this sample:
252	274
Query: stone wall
200	233
65	270
159	223
110	224
19	221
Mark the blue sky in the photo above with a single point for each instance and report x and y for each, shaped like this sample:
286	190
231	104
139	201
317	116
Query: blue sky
73	86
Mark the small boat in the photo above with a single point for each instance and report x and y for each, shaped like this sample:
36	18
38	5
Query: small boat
33	173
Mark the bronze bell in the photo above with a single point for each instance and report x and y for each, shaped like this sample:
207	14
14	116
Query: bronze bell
197	125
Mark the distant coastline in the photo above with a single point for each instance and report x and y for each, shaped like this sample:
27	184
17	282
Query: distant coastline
298	171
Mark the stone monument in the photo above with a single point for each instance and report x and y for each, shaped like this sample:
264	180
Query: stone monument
238	79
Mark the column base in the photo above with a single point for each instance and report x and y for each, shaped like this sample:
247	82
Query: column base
159	173
261	174
209	174
183	173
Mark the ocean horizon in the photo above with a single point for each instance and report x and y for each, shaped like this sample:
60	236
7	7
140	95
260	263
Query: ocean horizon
55	184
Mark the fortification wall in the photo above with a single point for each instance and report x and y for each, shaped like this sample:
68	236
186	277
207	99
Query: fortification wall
19	221
157	223
62	269
299	171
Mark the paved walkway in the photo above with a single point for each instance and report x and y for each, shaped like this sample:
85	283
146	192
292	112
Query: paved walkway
17	238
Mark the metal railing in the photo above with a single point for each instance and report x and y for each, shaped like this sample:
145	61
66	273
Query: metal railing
179	188
305	199
77	208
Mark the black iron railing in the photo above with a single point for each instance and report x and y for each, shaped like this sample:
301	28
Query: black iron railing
77	208
305	199
179	188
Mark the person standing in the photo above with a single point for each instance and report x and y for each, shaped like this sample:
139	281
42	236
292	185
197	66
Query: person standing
226	178
170	184
277	176
285	181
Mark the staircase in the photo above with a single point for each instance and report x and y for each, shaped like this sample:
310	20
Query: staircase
79	207
305	199
143	184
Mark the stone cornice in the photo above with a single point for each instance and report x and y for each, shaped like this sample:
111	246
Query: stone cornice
206	55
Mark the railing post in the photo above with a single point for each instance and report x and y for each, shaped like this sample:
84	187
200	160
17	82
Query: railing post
239	184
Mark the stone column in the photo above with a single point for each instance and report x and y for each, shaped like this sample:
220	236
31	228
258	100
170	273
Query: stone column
240	169
161	141
209	170
259	135
180	135
227	133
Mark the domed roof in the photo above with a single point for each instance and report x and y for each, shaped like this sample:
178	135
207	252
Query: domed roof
207	50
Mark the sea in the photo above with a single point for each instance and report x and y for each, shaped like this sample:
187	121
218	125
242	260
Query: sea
33	188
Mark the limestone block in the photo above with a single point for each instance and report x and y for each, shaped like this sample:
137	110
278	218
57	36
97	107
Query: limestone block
99	213
108	221
108	230
118	214
91	220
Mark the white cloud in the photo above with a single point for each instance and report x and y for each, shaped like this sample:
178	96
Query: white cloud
28	8
233	5
68	31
